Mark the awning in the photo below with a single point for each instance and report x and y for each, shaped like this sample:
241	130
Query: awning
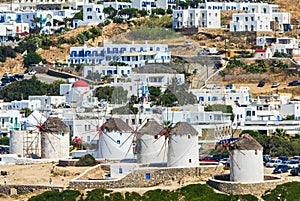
149	53
131	54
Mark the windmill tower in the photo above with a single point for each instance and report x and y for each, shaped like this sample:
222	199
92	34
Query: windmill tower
115	133
55	137
150	149
183	148
246	164
27	142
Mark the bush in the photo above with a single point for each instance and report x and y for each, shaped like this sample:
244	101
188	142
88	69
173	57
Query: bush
4	140
86	160
31	58
288	191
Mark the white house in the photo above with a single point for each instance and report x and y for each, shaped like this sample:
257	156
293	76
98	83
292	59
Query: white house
135	55
196	17
279	44
263	54
31	104
49	101
222	96
92	15
260	17
78	94
292	108
107	70
9	120
117	5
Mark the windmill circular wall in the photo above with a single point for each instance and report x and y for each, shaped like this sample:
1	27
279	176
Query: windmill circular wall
222	183
54	145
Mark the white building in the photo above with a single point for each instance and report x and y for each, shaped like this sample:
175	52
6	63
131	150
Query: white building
260	17
195	17
117	5
78	94
292	108
222	96
106	70
9	120
92	15
49	101
263	53
31	104
279	44
134	55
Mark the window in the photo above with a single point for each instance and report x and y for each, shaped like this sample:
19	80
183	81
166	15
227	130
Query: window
89	17
118	142
147	176
248	113
190	160
189	136
89	10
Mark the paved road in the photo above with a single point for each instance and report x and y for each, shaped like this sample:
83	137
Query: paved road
44	77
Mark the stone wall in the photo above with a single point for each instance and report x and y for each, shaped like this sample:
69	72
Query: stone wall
146	177
23	189
222	183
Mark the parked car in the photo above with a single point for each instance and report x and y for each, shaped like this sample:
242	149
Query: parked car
261	83
281	169
207	159
6	74
273	163
3	85
224	161
283	158
294	83
292	164
31	72
295	171
5	80
296	158
266	158
275	84
229	86
19	76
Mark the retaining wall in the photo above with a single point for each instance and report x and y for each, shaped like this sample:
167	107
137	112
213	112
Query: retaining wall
23	189
147	177
222	183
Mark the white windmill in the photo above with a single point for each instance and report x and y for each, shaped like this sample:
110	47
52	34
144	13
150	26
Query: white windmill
149	146
246	164
115	133
183	150
55	139
28	142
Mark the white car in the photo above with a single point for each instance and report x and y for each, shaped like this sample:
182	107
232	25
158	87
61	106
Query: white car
31	72
273	163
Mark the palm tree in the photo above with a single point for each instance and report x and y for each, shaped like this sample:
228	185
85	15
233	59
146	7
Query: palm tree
66	21
281	133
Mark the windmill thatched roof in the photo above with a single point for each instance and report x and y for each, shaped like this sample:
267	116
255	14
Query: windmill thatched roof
247	142
151	128
55	126
116	124
183	128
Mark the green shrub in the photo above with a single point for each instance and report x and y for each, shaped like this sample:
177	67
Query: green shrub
86	160
288	191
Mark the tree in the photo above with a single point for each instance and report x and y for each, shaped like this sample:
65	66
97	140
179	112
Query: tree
119	95
79	15
110	11
36	21
154	93
31	58
25	46
4	140
128	12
